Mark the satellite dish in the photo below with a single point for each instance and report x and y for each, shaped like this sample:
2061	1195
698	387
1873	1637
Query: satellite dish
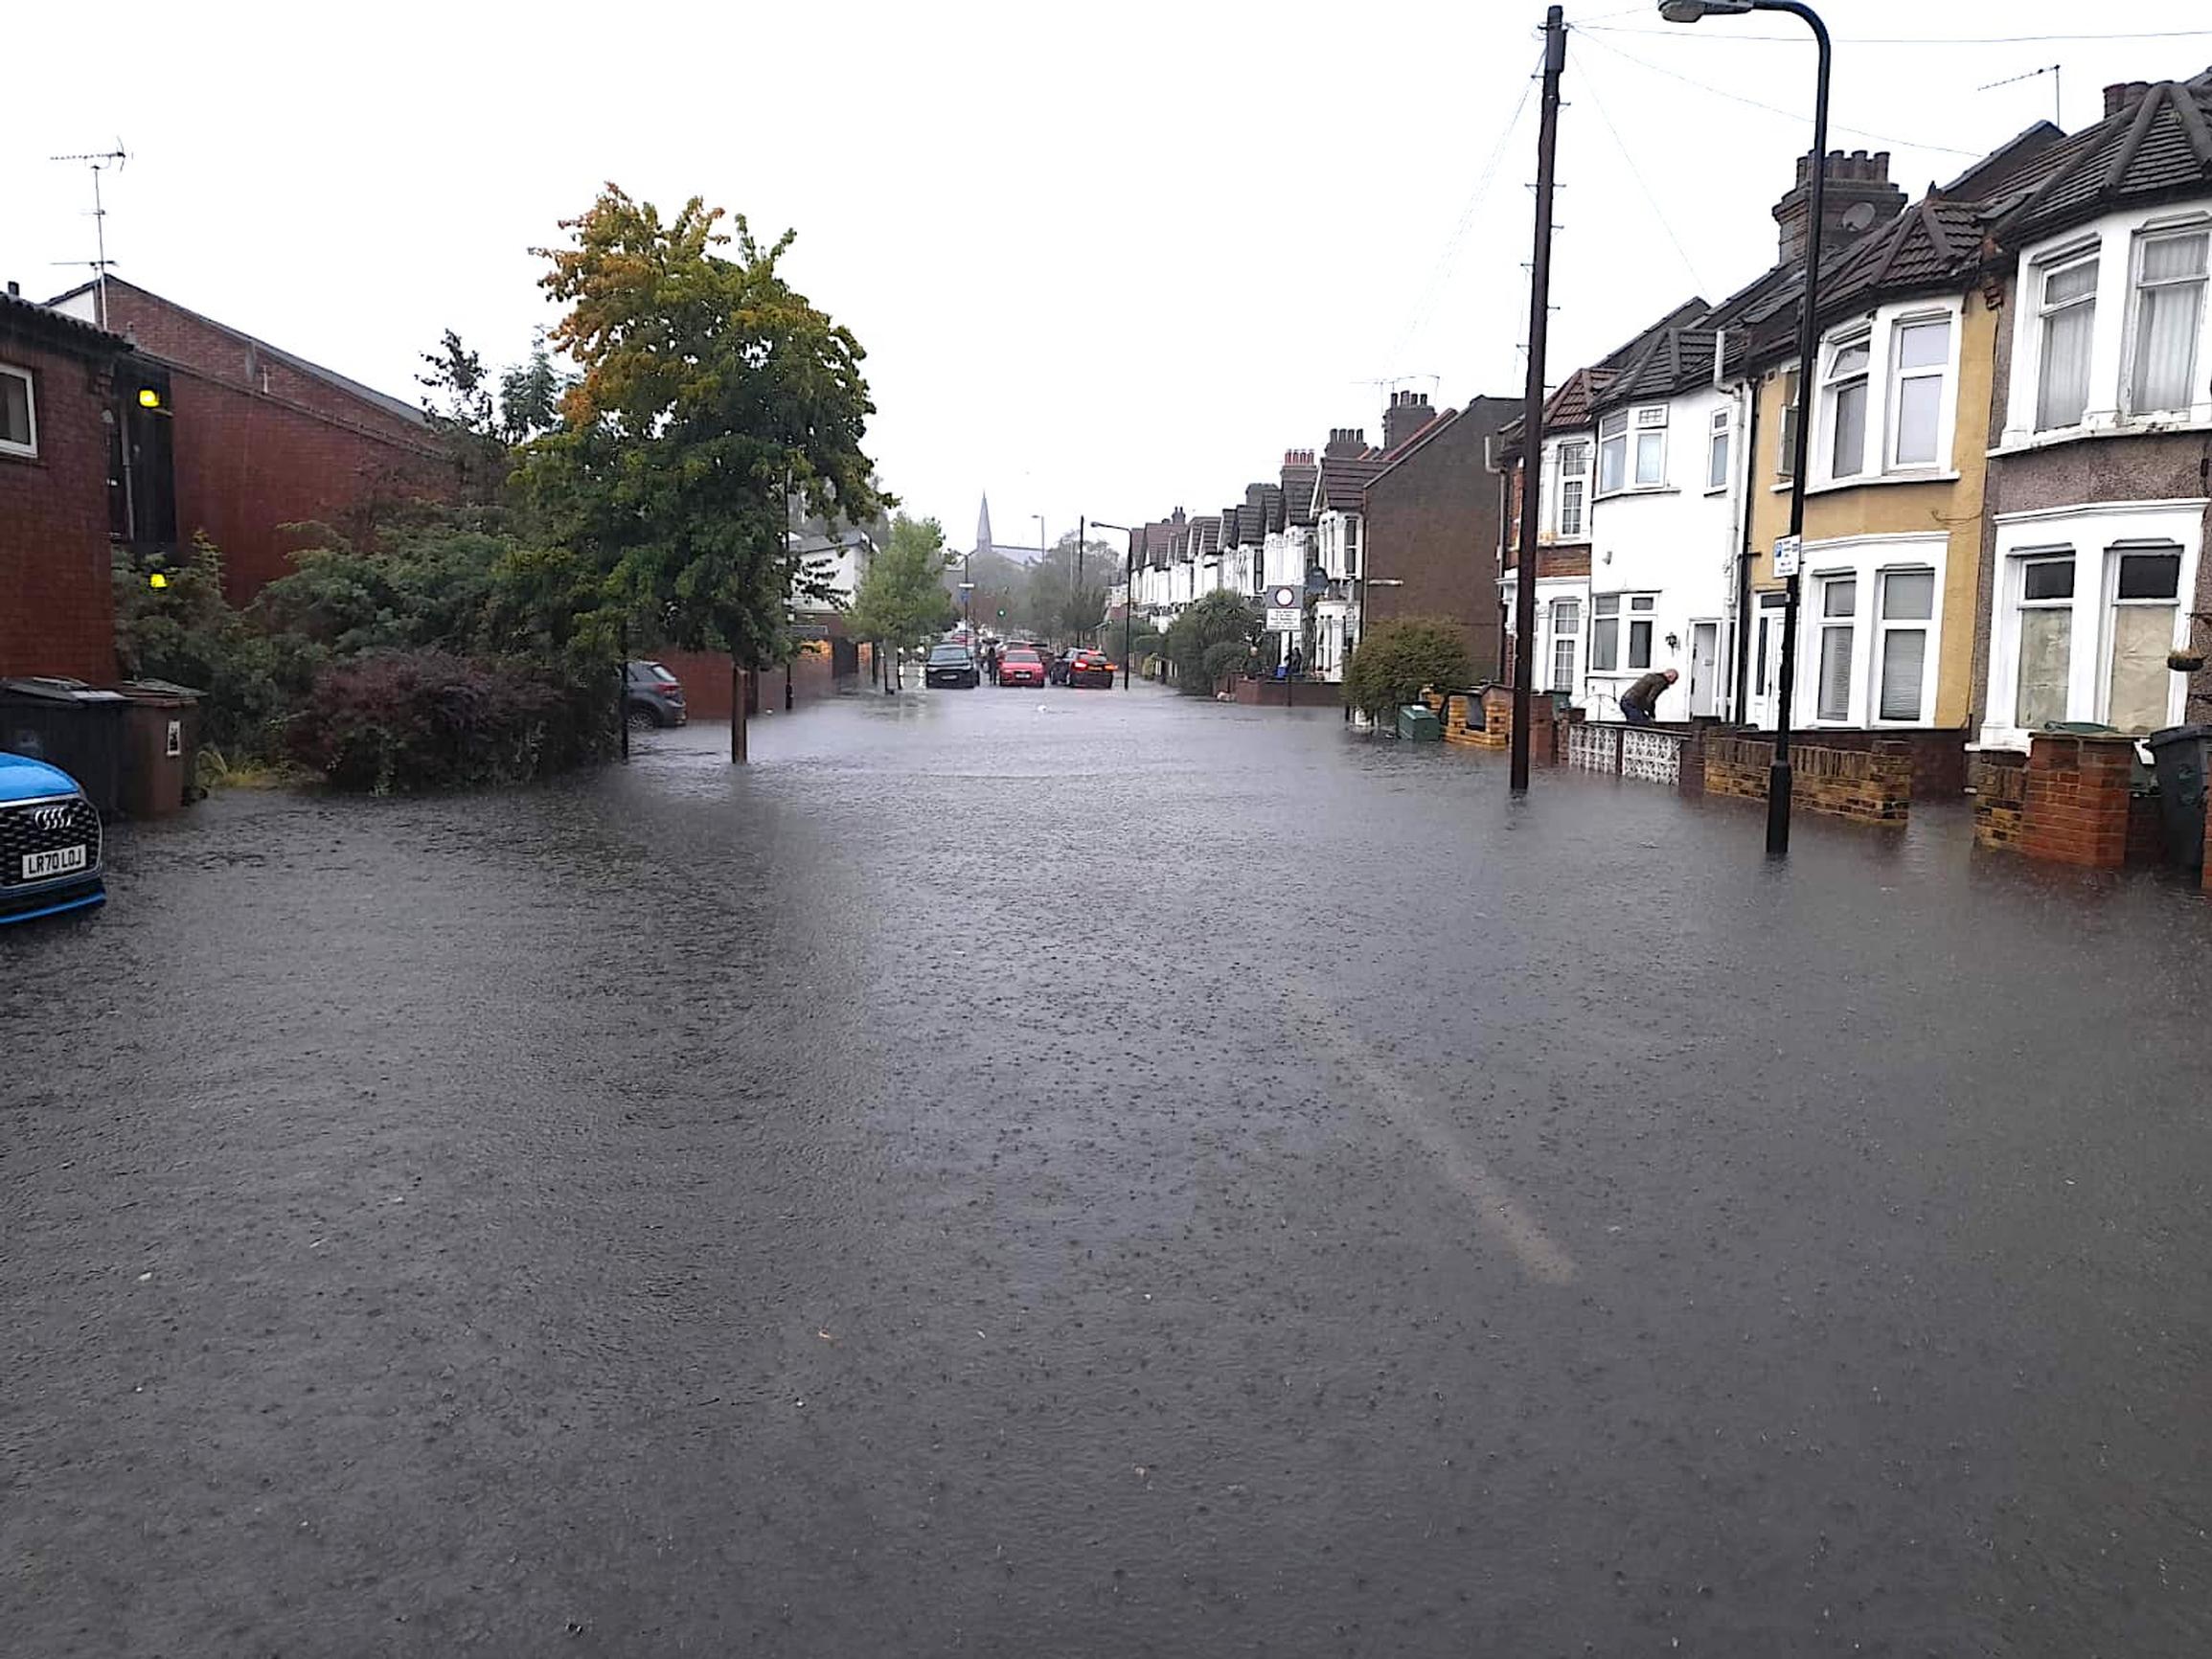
1858	216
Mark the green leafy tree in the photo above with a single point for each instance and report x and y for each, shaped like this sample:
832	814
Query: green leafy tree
530	394
901	600
1396	659
712	396
1219	618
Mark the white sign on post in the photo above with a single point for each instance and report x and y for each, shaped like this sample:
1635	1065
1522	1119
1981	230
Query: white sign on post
1787	554
1286	615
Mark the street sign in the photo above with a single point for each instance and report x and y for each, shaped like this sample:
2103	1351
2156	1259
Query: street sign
1787	554
1284	619
1283	597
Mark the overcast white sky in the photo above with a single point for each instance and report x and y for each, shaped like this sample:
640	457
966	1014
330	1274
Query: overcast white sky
1103	262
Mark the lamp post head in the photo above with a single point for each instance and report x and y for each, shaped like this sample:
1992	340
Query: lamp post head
1690	11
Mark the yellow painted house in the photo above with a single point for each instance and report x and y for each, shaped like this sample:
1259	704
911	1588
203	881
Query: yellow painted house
1896	470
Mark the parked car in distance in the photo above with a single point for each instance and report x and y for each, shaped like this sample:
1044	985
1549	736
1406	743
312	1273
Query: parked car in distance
652	697
951	664
1021	667
49	842
1088	668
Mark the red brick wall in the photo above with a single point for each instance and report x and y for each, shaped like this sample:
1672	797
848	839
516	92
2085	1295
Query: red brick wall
2076	806
57	591
260	445
1433	525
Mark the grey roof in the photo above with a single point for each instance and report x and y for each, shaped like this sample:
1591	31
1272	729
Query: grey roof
2158	148
28	316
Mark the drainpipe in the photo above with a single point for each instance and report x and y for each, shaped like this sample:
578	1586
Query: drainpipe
1742	643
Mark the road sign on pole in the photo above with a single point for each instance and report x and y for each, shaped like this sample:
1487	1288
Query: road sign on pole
1284	619
1788	555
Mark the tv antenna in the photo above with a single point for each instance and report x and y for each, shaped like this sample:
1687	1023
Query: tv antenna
96	159
2057	104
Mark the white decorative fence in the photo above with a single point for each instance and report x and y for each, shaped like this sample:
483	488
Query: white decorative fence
1647	753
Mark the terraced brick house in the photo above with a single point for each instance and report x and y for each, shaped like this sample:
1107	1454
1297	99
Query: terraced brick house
2100	441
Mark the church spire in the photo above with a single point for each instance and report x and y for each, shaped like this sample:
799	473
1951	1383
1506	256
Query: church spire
983	526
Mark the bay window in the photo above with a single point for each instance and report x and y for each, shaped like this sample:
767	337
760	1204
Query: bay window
2069	326
1785	430
1633	449
2167	309
1717	452
1838	606
1922	363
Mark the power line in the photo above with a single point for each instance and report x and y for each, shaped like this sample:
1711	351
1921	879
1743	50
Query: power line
1651	200
1777	109
1740	38
1446	258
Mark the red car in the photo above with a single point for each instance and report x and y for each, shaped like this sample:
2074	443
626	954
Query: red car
1021	667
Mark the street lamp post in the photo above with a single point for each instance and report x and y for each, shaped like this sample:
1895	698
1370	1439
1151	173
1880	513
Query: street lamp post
1778	778
1128	590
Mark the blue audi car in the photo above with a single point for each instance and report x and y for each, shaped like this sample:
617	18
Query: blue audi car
49	842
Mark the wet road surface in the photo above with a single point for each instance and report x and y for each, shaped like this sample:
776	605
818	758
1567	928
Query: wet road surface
1083	1174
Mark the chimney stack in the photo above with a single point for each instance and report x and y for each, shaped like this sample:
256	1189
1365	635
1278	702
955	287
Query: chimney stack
1857	196
1345	441
2122	96
1408	412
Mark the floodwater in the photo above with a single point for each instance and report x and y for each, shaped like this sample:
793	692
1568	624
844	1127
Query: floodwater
1100	1174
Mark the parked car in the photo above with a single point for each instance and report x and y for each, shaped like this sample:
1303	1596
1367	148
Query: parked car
1088	668
951	665
652	697
1021	667
49	842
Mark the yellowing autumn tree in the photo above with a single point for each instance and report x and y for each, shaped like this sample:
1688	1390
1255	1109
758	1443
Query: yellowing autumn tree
712	396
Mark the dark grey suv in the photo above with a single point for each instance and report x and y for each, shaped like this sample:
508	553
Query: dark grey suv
652	697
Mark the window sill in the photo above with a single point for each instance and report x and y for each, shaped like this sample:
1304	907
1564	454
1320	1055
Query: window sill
1639	489
1867	481
2027	442
16	452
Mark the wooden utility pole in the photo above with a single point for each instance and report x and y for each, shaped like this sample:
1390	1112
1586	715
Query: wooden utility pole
738	690
1539	284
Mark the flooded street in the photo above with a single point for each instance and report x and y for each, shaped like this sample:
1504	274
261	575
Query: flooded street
1101	1173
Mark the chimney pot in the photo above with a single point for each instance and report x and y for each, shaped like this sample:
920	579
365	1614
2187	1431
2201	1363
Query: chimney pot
15	290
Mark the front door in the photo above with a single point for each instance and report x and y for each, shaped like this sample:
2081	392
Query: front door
1765	661
1704	669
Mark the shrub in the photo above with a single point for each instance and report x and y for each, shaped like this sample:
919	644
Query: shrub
1219	618
1396	659
188	633
1222	660
408	722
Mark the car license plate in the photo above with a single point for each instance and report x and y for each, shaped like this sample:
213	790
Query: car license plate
59	861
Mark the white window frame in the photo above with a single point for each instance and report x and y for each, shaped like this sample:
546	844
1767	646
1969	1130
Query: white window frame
1858	339
8	447
1899	374
1578	475
2107	620
1599	618
1613	438
2113	240
1625	431
2069	257
1824	624
2140	243
1720	433
1884	624
2097	534
1867	558
1571	637
1880	328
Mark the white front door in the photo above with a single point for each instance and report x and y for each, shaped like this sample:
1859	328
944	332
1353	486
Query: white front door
1704	669
1764	699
